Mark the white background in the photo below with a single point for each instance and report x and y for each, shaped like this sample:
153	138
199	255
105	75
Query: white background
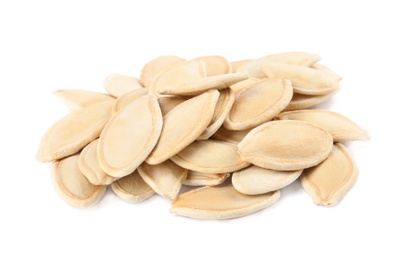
50	45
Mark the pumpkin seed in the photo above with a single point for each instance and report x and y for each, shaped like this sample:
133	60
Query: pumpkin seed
244	84
128	98
204	179
155	66
236	65
300	101
168	103
118	84
76	99
215	65
230	136
132	188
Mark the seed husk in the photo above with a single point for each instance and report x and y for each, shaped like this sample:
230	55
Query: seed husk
286	145
118	84
128	98
132	188
168	103
327	71
182	125
74	131
76	99
89	165
204	179
215	65
237	64
244	84
301	101
230	136
258	104
165	178
220	202
72	185
342	128
256	180
328	182
155	66
129	136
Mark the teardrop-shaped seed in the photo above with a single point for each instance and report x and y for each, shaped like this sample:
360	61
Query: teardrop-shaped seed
74	131
300	101
128	98
237	64
256	180
89	165
230	136
130	136
200	85
244	84
210	156
165	178
73	186
295	58
118	84
223	106
155	66
342	128
205	179
304	80
328	182
76	99
182	72
215	65
220	202
259	104
182	125
168	103
132	188
327	71
286	145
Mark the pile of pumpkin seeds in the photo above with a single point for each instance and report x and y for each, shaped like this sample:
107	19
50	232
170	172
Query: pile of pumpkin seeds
239	131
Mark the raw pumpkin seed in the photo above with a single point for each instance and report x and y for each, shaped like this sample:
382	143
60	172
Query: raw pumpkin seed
215	65
204	179
132	188
128	98
118	84
155	66
76	99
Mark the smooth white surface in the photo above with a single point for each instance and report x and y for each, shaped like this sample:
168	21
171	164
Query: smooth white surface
50	45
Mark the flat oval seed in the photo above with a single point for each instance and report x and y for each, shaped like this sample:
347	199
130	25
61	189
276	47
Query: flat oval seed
89	165
165	178
128	98
286	145
236	65
210	156
256	180
118	84
300	101
185	71
74	131
328	182
223	106
168	103
198	86
230	136
204	179
155	66
73	186
258	104
342	128
130	136
76	99
220	202
215	65
182	125
132	188
305	80
295	58
327	71
244	84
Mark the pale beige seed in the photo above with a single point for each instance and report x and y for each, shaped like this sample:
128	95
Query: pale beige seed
256	180
182	72
128	98
73	186
204	179
328	182
258	104
165	178
223	106
89	165
220	202
118	84
74	131
155	66
76	99
210	156
236	65
200	85
255	69
132	188
305	80
230	136
130	136
287	145
168	103
183	124
215	65
244	84
300	101
327	71
342	128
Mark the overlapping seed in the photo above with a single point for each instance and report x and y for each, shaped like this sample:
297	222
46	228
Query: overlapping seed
241	129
